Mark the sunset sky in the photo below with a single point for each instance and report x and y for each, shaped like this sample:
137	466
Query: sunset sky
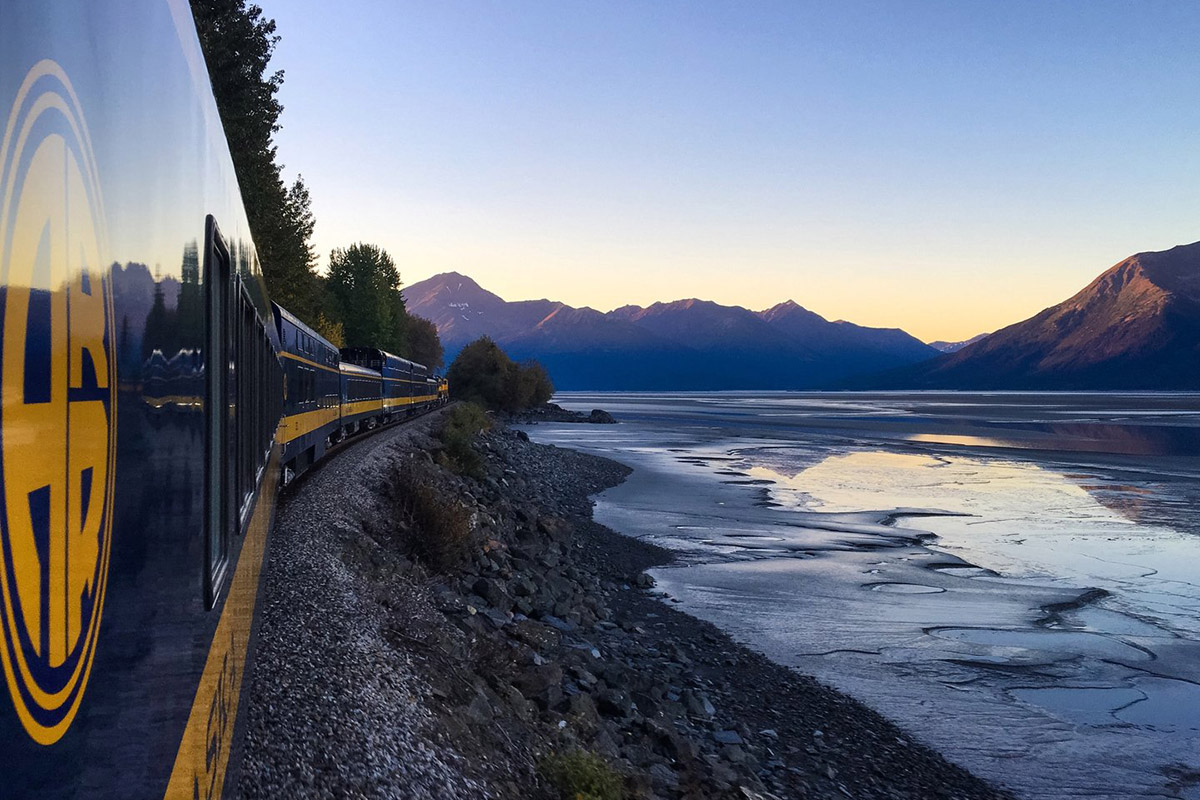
944	167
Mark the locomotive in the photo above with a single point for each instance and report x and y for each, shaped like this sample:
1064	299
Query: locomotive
152	400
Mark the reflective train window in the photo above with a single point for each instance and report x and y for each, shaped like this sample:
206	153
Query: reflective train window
244	403
218	520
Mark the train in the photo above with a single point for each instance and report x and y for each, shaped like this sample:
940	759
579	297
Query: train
153	401
334	393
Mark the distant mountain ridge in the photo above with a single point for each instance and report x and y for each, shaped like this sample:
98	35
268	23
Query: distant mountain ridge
685	345
1136	326
952	347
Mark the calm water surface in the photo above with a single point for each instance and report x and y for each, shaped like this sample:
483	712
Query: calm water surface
1013	577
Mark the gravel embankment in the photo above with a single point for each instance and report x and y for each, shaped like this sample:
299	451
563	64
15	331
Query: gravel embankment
332	708
378	677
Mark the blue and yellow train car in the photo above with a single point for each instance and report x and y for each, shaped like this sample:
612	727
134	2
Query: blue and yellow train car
312	405
141	389
362	399
404	381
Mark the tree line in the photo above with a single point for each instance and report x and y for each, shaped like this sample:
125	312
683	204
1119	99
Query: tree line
358	303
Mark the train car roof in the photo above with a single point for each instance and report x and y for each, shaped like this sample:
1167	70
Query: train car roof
391	359
355	369
283	313
401	359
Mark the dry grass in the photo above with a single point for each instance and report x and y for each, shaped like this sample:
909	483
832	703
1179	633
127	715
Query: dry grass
458	432
439	531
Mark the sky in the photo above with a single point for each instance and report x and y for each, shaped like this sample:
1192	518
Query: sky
944	167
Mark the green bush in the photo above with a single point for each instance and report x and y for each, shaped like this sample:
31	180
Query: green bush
484	374
462	424
579	775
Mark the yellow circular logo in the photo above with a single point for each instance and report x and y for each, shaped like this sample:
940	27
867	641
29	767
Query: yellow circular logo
57	404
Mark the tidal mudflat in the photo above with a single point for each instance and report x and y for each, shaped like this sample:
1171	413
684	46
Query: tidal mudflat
1015	578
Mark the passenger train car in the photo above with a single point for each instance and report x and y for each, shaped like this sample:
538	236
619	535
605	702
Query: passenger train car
151	396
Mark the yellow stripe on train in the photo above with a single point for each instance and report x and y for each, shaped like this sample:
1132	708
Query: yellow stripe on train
297	425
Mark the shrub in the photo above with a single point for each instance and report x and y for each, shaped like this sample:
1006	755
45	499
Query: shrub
440	526
580	775
462	424
532	386
484	374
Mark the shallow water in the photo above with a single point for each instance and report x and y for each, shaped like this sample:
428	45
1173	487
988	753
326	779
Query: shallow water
1010	576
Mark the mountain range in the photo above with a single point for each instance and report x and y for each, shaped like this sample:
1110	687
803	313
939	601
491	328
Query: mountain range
1137	326
685	345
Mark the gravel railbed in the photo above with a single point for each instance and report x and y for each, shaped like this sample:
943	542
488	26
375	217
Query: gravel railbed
332	708
383	674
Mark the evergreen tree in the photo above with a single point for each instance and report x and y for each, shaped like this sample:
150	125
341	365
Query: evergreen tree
365	283
159	332
238	43
424	345
190	312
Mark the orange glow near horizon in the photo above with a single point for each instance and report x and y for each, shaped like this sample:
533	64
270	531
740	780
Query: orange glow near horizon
956	305
947	169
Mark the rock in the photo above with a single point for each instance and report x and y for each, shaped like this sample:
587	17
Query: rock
637	754
728	737
521	586
494	593
604	744
583	708
698	704
643	581
647	703
561	588
480	710
734	754
495	616
664	776
523	707
541	685
615	703
601	417
537	635
585	678
550	526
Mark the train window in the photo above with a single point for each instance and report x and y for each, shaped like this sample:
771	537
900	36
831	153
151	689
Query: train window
244	400
217	279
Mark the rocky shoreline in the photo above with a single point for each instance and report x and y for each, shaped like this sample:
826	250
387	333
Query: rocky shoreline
534	635
553	412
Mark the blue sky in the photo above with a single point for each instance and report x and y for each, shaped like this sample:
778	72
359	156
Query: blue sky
948	168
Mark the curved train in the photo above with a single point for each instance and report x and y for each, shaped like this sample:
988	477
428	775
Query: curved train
332	393
152	398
